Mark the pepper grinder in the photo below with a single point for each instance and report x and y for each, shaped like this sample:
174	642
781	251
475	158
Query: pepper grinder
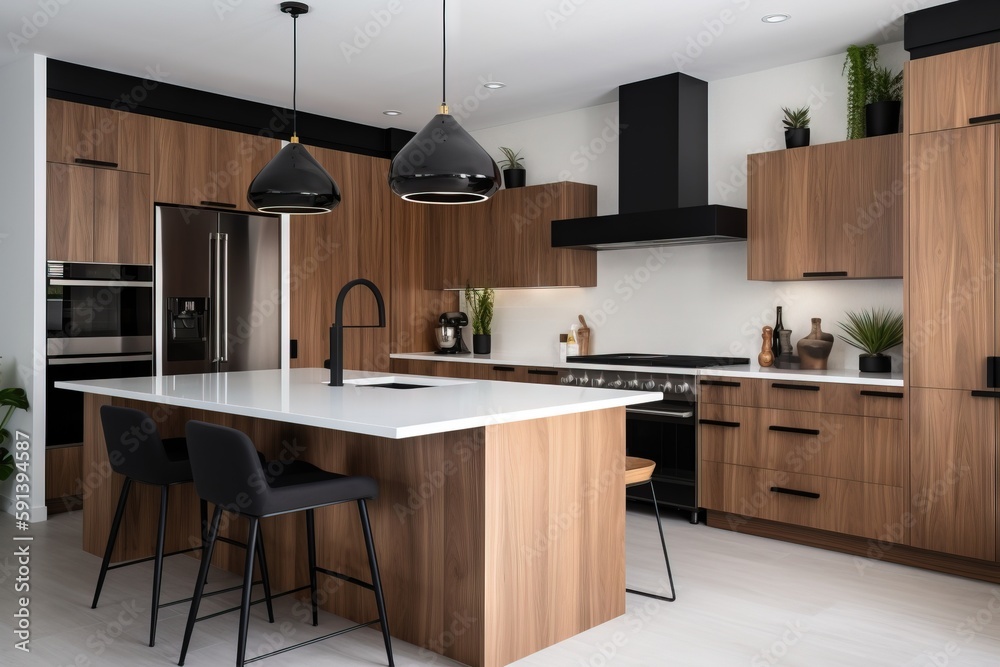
766	356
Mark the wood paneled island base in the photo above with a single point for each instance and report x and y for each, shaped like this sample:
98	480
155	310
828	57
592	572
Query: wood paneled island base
494	542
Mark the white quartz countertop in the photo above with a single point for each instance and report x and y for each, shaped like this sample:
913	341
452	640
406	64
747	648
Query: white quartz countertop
301	396
748	371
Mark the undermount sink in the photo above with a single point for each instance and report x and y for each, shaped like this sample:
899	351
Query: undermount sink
397	385
403	382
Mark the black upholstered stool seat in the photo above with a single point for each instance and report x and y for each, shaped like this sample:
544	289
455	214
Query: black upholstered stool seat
230	473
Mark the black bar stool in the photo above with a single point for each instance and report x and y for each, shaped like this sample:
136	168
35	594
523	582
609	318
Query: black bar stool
228	473
640	471
136	451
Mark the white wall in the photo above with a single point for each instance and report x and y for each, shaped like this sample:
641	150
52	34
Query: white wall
685	299
22	261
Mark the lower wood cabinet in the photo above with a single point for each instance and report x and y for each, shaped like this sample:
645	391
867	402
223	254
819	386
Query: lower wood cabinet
477	371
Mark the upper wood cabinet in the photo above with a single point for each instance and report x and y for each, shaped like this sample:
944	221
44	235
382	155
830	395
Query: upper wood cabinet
204	166
98	215
945	91
84	134
507	241
826	212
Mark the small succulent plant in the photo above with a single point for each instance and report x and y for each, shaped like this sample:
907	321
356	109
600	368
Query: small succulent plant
796	118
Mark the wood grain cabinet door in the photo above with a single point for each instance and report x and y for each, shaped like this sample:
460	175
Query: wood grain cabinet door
785	214
239	157
943	92
864	207
70	212
184	159
123	217
952	185
953	440
81	132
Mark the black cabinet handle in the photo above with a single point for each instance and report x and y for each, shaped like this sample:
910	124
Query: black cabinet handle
825	274
219	204
504	369
96	163
793	429
794	492
992	118
882	394
986	394
719	383
542	371
993	372
795	387
718	422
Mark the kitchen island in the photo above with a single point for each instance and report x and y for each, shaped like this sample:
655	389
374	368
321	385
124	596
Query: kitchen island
501	515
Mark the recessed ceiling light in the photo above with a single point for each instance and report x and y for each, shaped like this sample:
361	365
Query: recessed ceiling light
775	18
392	112
494	85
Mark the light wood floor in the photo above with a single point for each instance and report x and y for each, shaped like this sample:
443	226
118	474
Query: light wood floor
742	601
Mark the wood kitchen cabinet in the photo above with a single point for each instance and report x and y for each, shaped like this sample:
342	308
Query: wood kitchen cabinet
507	241
945	91
204	166
98	215
85	134
826	212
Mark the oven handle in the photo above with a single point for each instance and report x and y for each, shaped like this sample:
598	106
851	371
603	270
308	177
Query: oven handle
73	361
69	282
687	414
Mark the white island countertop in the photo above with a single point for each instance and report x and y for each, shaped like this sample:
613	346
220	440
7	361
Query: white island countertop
301	396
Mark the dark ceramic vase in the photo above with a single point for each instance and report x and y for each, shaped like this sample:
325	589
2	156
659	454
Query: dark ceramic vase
874	363
797	137
481	343
882	118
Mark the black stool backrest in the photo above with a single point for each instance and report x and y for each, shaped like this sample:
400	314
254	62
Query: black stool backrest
226	468
134	446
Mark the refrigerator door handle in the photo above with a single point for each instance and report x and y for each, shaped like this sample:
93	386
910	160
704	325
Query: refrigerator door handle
214	278
224	276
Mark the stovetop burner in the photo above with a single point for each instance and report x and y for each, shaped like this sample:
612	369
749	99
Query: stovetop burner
667	360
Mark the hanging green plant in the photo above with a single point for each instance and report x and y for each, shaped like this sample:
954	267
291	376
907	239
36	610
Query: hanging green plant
859	67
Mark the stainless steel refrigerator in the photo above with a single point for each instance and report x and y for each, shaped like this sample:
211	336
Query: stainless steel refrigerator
218	278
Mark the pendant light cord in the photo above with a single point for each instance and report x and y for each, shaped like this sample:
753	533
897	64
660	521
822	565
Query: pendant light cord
295	73
444	50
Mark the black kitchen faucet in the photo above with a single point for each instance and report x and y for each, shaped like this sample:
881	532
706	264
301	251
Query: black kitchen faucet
337	330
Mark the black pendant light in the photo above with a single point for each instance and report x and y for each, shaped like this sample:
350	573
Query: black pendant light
443	164
293	181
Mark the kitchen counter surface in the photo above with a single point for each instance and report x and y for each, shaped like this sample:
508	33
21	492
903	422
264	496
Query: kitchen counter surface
301	396
749	371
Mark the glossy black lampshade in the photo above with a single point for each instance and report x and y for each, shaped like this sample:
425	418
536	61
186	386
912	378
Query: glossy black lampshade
293	182
443	164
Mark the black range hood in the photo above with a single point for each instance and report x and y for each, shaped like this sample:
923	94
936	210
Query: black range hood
662	174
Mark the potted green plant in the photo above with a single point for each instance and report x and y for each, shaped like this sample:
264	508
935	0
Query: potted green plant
874	330
513	168
885	98
480	305
10	399
859	67
796	124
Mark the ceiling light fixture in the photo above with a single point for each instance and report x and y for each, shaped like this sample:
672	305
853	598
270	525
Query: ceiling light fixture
494	85
293	181
442	163
392	112
775	18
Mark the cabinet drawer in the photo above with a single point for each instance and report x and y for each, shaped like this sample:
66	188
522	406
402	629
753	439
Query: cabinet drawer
729	434
837	505
834	445
730	390
738	490
836	398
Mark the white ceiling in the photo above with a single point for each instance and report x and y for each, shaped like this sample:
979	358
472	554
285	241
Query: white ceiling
555	55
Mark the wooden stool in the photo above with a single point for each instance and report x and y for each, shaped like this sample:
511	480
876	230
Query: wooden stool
640	471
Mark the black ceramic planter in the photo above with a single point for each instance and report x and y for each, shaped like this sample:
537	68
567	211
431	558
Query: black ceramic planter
481	343
797	137
882	118
874	363
513	178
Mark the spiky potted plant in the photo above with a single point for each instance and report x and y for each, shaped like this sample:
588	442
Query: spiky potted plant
10	399
480	305
874	331
885	99
796	124
859	67
513	168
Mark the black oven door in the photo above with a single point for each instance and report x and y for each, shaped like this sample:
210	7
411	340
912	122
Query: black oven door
665	432
64	409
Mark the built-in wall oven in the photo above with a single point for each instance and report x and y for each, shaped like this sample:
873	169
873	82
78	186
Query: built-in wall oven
99	321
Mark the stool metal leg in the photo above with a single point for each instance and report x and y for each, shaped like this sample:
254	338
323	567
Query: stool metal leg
199	587
376	580
241	646
112	538
663	543
158	564
311	538
265	577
